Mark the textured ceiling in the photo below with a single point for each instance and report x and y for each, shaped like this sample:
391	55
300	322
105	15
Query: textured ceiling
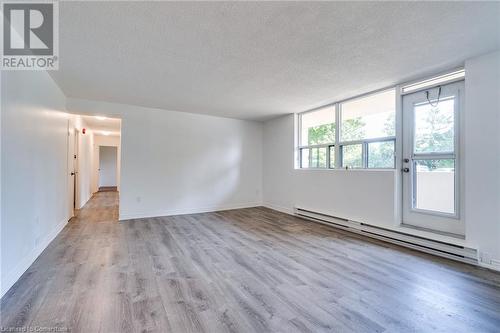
257	60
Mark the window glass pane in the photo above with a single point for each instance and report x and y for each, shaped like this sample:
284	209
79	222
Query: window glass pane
304	158
332	157
352	156
322	157
381	154
318	157
434	185
318	127
369	117
434	127
314	158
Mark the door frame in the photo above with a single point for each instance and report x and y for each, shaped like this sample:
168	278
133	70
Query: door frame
454	222
72	169
70	146
76	204
98	160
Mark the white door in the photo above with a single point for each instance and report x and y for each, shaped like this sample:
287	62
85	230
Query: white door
431	163
107	166
72	168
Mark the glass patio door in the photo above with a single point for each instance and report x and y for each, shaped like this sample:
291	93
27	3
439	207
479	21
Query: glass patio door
431	164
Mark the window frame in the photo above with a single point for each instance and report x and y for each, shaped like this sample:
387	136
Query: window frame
327	146
381	140
338	145
446	155
323	145
366	152
444	78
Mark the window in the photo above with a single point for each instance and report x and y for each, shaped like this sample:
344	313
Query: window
369	117
313	157
434	185
366	133
441	79
304	157
434	127
381	154
318	127
352	156
332	157
433	151
368	130
317	138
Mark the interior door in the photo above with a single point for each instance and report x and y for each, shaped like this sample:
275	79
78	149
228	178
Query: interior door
71	170
431	158
107	166
76	165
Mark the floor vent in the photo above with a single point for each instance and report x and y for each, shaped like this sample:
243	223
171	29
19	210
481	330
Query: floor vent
423	244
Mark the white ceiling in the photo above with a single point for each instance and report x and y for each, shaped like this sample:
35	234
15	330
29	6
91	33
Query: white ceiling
257	60
106	126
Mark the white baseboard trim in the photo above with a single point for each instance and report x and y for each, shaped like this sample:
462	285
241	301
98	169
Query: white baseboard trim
171	212
494	265
14	275
279	208
85	200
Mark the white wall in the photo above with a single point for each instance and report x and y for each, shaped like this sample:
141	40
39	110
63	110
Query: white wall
34	184
85	162
372	196
175	162
482	158
35	169
183	163
107	166
2	291
359	195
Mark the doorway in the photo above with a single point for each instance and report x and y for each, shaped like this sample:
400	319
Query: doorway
108	166
73	155
431	158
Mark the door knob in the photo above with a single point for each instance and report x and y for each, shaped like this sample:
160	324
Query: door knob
406	169
72	173
406	160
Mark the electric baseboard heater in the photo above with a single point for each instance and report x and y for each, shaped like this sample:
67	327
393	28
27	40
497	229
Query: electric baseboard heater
439	248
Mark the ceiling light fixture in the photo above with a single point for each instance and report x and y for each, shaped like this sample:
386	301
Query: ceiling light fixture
105	133
100	117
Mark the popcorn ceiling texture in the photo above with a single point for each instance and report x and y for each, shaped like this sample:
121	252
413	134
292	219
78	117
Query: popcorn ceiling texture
258	60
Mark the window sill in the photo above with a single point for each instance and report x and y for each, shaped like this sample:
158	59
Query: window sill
346	170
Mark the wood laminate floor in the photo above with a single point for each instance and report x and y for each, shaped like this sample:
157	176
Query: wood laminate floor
246	270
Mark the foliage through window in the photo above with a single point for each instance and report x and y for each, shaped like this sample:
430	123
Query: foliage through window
352	156
318	127
369	117
366	134
381	154
317	135
434	127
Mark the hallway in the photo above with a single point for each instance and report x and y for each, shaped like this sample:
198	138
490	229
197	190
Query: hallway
246	270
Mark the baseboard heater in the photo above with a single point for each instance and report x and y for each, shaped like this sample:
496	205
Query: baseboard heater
423	244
